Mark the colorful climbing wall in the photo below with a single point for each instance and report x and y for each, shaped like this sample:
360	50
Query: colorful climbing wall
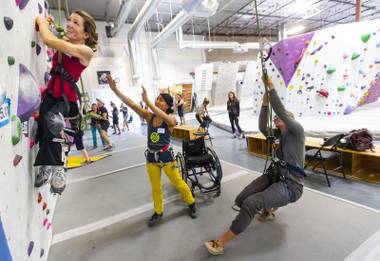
26	213
328	72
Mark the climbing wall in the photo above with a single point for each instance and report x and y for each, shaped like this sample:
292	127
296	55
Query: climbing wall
203	80
26	213
226	81
328	72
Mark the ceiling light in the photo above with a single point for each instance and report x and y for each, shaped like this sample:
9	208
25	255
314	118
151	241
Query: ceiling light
294	30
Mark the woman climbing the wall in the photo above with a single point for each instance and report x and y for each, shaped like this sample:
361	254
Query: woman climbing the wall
61	97
159	154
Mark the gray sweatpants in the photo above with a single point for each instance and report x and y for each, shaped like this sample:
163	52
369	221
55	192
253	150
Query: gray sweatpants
263	193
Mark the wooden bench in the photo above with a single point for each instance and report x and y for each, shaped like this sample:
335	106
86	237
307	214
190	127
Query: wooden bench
184	132
361	165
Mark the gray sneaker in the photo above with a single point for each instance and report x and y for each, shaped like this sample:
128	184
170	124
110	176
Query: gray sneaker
43	175
58	180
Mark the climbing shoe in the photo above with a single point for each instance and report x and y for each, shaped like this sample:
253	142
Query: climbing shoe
43	175
193	213
154	219
58	181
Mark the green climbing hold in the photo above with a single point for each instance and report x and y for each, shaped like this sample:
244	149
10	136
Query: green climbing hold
16	129
331	70
33	44
355	56
365	37
11	60
341	88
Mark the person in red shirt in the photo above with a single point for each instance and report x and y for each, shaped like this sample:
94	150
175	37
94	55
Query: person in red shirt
61	97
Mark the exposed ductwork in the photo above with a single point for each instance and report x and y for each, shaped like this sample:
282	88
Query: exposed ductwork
122	16
146	12
216	44
197	8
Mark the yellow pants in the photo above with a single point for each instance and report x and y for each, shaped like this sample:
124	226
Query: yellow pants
172	171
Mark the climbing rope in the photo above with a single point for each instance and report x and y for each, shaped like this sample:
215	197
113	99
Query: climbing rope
265	52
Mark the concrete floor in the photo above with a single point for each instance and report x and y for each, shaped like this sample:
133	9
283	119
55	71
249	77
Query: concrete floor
103	212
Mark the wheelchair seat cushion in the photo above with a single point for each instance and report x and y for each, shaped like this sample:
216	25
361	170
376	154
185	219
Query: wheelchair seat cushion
200	160
194	147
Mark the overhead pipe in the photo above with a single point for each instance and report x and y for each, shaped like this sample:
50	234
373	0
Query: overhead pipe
146	12
122	16
198	8
357	10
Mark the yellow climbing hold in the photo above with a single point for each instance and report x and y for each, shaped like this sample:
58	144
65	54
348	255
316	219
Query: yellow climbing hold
291	87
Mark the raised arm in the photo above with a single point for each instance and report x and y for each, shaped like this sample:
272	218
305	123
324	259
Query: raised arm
291	124
128	101
263	117
169	119
81	51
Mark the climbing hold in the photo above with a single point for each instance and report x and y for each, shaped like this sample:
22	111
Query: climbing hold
377	61
299	92
300	86
341	88
316	60
323	93
48	226
325	66
47	211
21	3
345	56
42	252
29	96
320	47
370	66
16	129
44	206
17	160
39	198
333	37
40	8
38	49
33	44
365	37
348	110
291	87
11	60
45	222
355	56
331	70
30	248
345	77
378	45
8	22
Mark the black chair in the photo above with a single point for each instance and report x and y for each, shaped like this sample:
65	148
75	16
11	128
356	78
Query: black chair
327	151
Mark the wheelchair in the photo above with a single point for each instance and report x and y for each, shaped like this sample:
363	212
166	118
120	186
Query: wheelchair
200	166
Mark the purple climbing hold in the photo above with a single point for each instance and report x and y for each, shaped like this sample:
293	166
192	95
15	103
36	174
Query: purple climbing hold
30	248
40	8
42	252
21	3
8	22
38	49
378	45
348	110
299	92
377	61
29	96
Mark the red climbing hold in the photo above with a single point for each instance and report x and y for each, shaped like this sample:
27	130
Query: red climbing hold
323	93
39	199
17	160
44	206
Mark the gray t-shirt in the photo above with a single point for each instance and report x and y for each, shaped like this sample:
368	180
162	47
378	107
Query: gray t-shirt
291	147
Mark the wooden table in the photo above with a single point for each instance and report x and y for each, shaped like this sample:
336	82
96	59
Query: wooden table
362	165
184	132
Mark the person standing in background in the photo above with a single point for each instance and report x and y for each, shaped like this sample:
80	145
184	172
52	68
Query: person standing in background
124	110
95	126
115	119
180	103
233	108
104	123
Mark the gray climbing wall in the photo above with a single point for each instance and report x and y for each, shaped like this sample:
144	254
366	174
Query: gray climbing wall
26	213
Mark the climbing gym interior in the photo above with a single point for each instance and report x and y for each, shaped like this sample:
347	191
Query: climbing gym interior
188	129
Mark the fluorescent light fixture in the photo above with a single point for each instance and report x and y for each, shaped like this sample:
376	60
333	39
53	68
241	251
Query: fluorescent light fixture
294	30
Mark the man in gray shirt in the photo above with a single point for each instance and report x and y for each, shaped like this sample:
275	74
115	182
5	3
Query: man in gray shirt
279	185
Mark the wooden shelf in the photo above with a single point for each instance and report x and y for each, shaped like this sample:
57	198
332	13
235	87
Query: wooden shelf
358	165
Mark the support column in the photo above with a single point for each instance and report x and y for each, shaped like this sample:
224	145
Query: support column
358	10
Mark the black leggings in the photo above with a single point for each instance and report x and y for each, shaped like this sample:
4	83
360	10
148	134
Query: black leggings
234	121
50	153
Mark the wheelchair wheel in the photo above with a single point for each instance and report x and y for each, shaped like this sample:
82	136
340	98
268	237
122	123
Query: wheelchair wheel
215	174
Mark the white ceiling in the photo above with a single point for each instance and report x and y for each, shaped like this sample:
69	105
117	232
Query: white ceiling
235	17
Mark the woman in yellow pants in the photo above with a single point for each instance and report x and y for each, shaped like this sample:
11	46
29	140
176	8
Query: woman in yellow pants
159	153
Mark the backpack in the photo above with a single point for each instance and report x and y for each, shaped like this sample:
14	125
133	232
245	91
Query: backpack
360	140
